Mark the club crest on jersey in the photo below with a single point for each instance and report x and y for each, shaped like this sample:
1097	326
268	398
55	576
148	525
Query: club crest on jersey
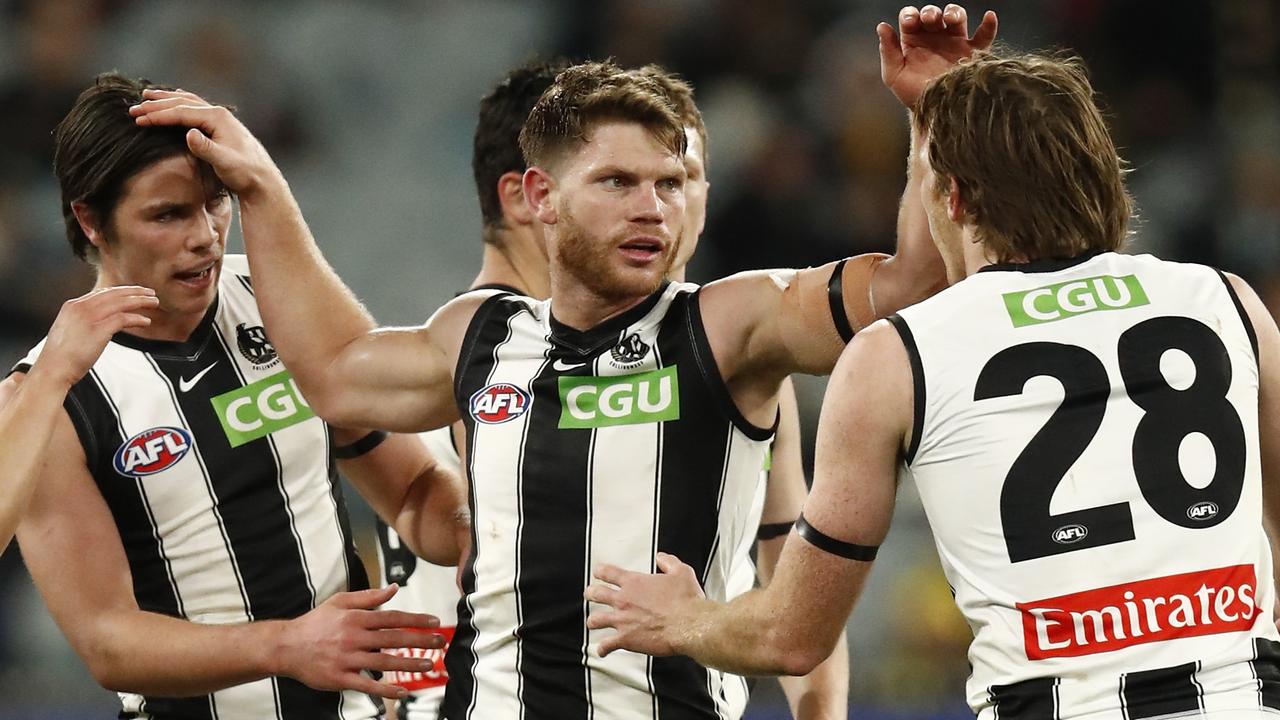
254	345
498	403
152	451
629	352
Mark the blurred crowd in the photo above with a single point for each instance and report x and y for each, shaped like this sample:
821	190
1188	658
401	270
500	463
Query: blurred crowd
369	107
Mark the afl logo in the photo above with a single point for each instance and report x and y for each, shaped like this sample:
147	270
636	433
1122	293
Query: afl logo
1203	511
152	451
1068	534
498	403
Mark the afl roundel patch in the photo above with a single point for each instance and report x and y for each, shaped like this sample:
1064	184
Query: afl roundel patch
498	403
152	451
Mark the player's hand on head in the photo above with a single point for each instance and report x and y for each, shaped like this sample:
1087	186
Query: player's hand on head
645	610
330	647
85	325
928	41
216	136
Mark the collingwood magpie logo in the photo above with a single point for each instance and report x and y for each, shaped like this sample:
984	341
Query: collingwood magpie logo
254	345
629	352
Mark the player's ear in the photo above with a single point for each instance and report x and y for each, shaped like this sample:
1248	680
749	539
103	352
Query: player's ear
955	202
511	196
539	194
90	223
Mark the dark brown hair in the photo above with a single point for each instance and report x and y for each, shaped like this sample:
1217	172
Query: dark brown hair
98	147
1027	145
496	149
590	93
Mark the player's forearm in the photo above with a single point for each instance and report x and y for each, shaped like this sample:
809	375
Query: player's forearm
434	520
916	270
823	694
745	637
152	654
26	422
309	313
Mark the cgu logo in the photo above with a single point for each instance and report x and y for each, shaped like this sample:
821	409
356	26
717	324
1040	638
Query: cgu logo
590	402
1068	534
1202	510
261	408
498	403
1078	297
152	451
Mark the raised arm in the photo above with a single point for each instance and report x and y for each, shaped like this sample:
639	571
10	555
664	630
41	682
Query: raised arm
73	551
353	374
766	325
823	693
793	624
31	404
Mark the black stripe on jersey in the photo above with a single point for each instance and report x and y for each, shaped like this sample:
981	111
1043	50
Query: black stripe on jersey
1266	668
460	660
553	532
97	422
245	281
917	383
1034	699
275	455
706	361
1163	691
22	367
256	522
694	450
1244	316
357	576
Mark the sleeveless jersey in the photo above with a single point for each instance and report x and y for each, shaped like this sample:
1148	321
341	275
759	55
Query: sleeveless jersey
224	492
603	446
1086	447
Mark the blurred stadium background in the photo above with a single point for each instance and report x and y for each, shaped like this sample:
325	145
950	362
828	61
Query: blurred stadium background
369	108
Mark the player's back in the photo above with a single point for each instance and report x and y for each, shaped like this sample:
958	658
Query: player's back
1086	447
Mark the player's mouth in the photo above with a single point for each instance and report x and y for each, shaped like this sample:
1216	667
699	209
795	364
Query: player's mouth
642	250
197	278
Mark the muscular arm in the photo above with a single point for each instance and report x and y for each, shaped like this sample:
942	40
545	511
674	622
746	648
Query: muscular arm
824	692
794	623
73	551
414	493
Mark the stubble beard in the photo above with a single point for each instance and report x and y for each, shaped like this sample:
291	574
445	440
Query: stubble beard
589	261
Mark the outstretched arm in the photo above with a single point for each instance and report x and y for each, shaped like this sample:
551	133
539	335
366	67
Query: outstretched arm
352	374
73	551
795	622
30	405
766	325
823	693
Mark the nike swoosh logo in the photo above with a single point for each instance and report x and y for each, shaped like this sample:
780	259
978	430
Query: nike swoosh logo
185	385
562	366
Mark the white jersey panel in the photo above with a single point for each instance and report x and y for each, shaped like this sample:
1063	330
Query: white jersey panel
1092	480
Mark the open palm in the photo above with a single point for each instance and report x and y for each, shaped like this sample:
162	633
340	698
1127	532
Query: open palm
931	40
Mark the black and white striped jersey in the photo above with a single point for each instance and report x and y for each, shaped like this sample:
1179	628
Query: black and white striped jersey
603	446
223	488
1086	447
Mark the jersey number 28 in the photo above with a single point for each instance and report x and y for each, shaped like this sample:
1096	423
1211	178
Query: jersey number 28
1169	415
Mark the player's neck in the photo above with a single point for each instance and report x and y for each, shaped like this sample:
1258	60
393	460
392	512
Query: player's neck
576	305
517	261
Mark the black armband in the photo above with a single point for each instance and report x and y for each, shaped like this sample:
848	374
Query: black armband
769	531
835	298
361	446
826	543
